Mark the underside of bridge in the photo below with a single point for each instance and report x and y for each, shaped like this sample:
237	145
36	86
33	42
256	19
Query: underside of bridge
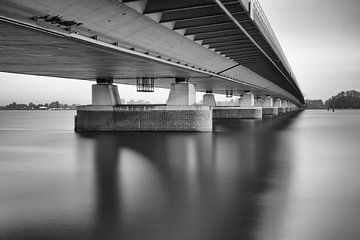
226	27
215	44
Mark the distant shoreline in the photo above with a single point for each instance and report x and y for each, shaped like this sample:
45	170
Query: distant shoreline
40	110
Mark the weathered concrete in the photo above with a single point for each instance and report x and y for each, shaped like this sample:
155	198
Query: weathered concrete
209	100
143	118
182	94
237	113
270	112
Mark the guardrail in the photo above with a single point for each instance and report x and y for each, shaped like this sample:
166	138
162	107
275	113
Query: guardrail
258	16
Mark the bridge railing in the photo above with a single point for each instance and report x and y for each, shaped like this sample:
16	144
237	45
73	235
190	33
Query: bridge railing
258	16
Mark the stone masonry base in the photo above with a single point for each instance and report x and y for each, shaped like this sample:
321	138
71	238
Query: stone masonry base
143	118
270	112
237	112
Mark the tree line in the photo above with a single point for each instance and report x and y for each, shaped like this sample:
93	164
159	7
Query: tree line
344	100
41	106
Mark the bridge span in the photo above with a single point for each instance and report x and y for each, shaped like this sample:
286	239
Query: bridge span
211	46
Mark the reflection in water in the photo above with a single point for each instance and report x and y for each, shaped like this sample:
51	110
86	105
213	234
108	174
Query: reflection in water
247	180
184	185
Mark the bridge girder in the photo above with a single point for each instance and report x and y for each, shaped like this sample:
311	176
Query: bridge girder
208	24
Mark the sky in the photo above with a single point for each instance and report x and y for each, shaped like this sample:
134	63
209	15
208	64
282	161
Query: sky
321	39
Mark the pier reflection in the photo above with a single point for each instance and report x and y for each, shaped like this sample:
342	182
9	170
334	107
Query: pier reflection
187	185
228	184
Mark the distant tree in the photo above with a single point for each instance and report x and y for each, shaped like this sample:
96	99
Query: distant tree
33	106
345	100
55	105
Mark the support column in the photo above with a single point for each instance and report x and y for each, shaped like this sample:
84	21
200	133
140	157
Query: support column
247	110
269	111
104	93
259	102
247	100
284	104
268	103
278	104
291	106
182	93
209	99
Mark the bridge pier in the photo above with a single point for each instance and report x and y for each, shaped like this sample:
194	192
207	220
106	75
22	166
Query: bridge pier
209	99
259	102
284	104
269	111
278	104
246	110
107	114
293	107
105	93
182	93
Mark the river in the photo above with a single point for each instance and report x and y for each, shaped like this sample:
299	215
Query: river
291	178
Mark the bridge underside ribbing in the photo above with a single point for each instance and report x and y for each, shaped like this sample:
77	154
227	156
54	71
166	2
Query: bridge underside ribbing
29	51
226	27
215	43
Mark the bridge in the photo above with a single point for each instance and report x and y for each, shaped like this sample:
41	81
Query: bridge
211	46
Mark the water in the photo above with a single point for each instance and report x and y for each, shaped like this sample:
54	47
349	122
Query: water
291	178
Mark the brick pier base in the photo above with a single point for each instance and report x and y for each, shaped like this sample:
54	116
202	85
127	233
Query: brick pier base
143	118
237	113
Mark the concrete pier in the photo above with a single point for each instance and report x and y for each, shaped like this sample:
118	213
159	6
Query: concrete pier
105	94
269	111
209	99
246	110
278	104
285	105
143	118
182	94
237	113
107	114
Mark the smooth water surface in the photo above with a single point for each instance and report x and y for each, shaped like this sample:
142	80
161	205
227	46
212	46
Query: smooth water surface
291	178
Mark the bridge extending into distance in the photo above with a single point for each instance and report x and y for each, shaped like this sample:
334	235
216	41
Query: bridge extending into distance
212	46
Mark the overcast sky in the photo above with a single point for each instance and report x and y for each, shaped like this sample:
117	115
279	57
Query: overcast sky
321	39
